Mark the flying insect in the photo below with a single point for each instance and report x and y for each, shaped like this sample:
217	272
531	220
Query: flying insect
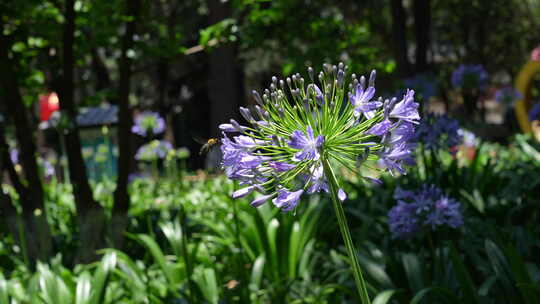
211	142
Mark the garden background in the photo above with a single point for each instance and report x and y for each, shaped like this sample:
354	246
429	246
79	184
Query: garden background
111	191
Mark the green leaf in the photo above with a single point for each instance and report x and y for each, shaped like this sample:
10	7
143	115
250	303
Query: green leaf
384	297
4	296
169	269
443	294
413	271
464	278
82	293
101	277
257	272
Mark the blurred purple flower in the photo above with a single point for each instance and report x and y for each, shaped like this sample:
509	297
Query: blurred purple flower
468	138
156	149
427	208
438	132
469	77
534	113
148	123
14	155
508	95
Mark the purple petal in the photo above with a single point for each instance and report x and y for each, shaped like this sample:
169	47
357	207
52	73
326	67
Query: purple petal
260	200
242	192
380	128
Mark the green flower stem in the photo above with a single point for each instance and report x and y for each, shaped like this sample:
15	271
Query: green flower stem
345	233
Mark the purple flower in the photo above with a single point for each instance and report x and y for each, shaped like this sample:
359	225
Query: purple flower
317	180
438	132
403	221
156	149
287	200
406	109
469	77
468	138
232	127
48	169
380	128
307	143
148	123
534	113
445	211
427	208
293	133
281	166
261	200
362	101
508	95
14	155
392	157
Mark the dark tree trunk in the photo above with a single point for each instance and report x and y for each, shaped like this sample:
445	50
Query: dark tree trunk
125	121
103	81
90	214
399	30
7	210
223	81
36	229
422	26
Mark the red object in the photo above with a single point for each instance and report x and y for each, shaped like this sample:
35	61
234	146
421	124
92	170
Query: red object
48	104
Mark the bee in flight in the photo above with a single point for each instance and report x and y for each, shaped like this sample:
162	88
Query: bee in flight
209	144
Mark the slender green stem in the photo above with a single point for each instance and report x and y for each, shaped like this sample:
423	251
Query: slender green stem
346	234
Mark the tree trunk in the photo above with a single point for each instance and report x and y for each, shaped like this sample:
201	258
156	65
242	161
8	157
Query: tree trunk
103	81
422	23
223	81
36	230
90	214
125	121
7	209
399	30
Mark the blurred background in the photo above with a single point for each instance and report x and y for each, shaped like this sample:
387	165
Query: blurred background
106	104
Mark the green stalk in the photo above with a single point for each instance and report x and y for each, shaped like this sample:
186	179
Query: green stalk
361	286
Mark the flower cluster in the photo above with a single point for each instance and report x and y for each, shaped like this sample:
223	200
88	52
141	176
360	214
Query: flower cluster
148	123
534	113
438	132
156	149
427	208
508	96
423	84
298	132
470	77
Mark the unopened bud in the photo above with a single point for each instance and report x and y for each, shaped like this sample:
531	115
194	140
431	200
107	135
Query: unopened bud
257	97
310	73
372	77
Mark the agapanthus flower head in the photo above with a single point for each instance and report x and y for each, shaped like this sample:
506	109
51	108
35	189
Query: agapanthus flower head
438	132
156	149
534	112
508	95
470	77
297	130
424	85
426	209
148	123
